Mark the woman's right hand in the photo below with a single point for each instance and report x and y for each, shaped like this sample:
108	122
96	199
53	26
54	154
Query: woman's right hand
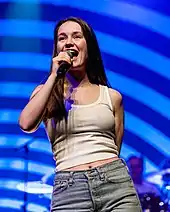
34	111
56	61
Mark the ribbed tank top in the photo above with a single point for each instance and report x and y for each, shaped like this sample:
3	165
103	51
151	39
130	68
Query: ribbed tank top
90	134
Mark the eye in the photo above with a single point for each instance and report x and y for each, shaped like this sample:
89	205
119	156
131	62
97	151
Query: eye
61	38
77	36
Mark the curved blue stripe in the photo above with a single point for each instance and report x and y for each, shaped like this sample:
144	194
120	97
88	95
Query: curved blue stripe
23	60
143	147
122	10
13	89
9	116
129	138
11	203
124	84
19	164
118	65
161	6
108	44
134	53
144	130
136	72
23	75
127	151
148	115
14	129
36	156
27	28
16	175
22	44
130	12
135	33
9	184
13	195
143	112
15	141
17	204
149	97
148	133
137	91
17	102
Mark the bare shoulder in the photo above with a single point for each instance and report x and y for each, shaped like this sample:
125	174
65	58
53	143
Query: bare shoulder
36	90
116	96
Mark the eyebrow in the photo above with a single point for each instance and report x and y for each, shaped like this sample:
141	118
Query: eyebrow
75	32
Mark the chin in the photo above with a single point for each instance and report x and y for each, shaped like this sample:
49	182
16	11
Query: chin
73	69
76	67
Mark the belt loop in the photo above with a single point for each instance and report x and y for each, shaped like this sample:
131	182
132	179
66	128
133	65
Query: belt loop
124	162
101	174
71	180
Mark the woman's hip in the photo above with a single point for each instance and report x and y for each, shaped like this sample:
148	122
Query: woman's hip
95	188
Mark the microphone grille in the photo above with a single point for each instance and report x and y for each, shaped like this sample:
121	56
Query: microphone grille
72	53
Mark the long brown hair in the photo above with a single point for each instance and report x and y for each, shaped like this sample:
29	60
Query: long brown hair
94	69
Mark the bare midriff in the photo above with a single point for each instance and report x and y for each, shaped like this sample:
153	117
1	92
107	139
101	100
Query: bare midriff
92	164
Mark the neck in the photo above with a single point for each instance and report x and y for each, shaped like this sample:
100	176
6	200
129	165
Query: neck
77	81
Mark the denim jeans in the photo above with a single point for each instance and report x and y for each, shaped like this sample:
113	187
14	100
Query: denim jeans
103	189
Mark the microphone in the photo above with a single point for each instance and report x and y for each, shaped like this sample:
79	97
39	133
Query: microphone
64	66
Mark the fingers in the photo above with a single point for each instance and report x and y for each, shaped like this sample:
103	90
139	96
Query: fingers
62	56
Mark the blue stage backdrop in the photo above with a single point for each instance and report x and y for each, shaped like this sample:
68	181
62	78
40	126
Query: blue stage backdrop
134	37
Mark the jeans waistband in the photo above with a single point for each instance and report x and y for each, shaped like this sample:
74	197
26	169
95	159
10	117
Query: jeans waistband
111	166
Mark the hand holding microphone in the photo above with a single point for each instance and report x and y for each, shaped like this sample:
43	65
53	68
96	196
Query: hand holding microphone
62	62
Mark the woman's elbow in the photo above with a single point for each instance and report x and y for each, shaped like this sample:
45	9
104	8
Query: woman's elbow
25	126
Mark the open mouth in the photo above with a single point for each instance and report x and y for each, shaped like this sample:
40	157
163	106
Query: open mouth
72	52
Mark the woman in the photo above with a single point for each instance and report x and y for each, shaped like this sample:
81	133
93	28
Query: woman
84	123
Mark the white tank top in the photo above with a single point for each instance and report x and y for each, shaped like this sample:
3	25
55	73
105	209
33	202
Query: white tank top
90	133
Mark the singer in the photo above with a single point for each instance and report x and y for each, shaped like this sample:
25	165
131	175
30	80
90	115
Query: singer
84	121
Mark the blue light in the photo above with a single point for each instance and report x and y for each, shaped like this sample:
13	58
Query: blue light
15	141
19	164
147	96
30	61
13	89
31	24
144	130
10	203
27	28
121	48
136	14
16	204
135	53
148	133
128	151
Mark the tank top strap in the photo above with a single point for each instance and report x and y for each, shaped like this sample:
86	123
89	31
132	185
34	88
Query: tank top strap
105	96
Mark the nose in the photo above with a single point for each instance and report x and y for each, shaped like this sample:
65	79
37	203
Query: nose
69	43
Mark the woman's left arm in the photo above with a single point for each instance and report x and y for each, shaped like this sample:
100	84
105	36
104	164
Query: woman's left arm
118	111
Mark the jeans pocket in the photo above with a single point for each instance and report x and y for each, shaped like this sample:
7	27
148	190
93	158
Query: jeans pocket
60	186
120	181
118	176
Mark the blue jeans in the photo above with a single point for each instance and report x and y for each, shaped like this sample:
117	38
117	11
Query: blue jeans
103	189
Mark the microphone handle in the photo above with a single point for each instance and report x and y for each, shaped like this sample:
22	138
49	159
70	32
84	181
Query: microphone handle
63	68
